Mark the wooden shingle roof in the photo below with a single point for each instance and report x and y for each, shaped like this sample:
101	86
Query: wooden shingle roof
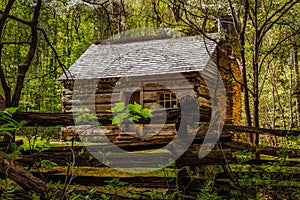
140	58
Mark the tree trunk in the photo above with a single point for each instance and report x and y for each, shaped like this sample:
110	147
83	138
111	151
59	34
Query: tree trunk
255	68
5	87
2	103
297	81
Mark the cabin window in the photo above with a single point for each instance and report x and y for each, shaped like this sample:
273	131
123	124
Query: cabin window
167	100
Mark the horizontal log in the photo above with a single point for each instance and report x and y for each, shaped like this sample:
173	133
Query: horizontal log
154	181
63	156
149	97
142	182
214	157
271	151
274	176
136	181
264	131
271	162
87	99
66	119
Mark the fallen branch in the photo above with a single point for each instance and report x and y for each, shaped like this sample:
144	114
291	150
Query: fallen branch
22	176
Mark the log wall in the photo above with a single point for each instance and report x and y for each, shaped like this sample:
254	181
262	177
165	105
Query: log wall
109	91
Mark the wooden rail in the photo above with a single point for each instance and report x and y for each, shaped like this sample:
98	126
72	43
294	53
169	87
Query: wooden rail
67	119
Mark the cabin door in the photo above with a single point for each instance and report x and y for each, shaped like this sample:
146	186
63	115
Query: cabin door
130	98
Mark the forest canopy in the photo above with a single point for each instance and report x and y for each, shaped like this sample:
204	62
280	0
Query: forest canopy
41	39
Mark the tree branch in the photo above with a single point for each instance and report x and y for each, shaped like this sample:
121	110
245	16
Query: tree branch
275	46
283	10
64	68
16	18
6	88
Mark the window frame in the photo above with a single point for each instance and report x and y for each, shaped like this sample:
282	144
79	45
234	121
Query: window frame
168	98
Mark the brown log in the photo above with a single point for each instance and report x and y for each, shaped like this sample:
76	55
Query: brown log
271	151
138	181
272	162
66	119
150	97
215	157
62	155
264	131
22	176
86	99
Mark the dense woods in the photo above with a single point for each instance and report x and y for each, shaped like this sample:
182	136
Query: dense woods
41	39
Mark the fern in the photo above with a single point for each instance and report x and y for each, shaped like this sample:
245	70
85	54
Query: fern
133	112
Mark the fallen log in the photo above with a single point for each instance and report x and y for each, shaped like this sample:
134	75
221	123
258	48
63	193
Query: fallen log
274	176
271	151
264	131
135	181
67	119
287	163
22	176
215	157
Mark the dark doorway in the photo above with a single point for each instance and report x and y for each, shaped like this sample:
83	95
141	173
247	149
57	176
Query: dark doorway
131	98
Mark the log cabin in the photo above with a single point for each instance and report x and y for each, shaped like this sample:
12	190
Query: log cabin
152	72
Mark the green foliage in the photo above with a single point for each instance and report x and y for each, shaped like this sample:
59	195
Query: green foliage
115	182
243	156
13	155
133	112
90	196
8	188
35	197
83	116
34	144
47	164
8	124
207	192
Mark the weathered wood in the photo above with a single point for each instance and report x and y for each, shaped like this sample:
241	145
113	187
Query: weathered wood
272	151
66	119
263	131
279	176
62	155
22	176
150	97
138	182
86	99
141	181
214	157
270	162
